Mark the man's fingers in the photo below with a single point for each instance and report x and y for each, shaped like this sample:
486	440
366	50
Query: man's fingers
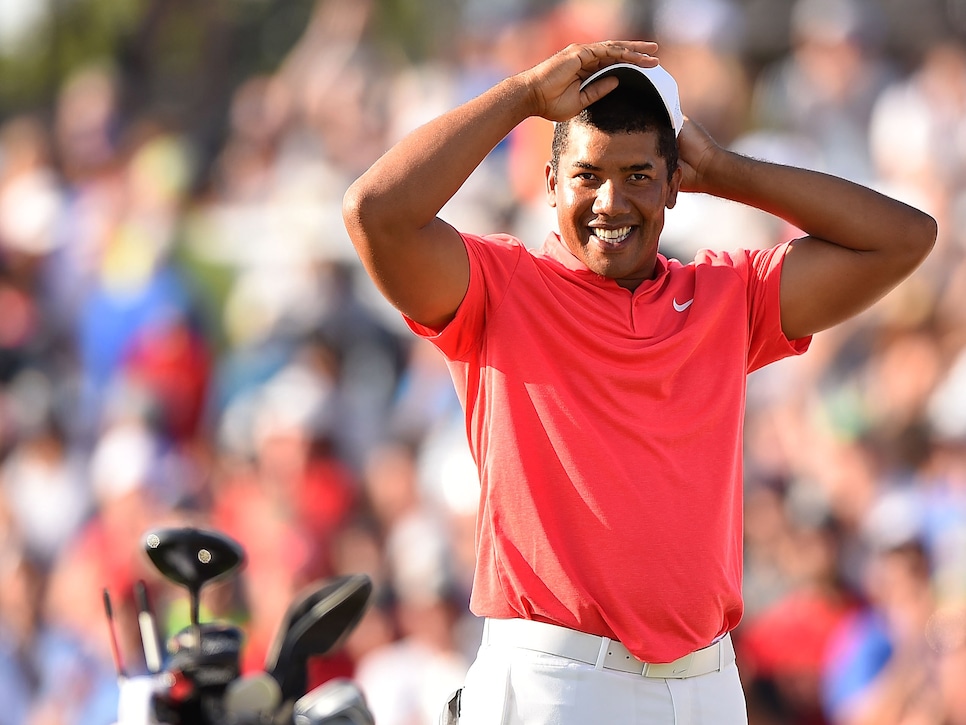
597	90
644	47
595	56
554	83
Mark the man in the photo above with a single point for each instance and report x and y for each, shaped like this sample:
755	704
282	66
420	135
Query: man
603	384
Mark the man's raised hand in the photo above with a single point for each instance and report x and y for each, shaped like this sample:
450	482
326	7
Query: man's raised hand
554	84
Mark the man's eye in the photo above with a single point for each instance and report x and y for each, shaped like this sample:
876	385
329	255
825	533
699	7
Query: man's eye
586	176
639	177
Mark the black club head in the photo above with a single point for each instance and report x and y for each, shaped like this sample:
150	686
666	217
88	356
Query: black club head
192	557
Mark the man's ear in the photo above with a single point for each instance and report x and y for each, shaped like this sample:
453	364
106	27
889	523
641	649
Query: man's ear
551	179
674	186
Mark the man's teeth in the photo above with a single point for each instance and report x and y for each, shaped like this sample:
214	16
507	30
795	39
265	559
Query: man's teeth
612	235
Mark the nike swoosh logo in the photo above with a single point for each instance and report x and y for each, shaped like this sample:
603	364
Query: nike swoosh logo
681	307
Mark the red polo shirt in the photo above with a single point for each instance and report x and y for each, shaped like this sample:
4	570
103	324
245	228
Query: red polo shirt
606	425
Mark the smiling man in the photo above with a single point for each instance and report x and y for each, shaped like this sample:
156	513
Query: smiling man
603	383
614	170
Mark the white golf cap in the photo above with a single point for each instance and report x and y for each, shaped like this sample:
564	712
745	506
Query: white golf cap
649	80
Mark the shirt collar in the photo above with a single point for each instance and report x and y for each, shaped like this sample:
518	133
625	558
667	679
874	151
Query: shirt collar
555	249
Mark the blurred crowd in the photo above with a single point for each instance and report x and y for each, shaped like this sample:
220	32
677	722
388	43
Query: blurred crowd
187	339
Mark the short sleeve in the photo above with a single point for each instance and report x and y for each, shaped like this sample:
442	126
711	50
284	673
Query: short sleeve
767	342
492	260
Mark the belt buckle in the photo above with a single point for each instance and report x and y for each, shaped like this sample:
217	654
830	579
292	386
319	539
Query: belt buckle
676	669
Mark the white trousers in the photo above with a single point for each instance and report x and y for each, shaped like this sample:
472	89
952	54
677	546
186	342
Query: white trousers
515	686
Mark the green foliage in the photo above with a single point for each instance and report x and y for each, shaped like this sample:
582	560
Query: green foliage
418	28
182	55
158	46
74	33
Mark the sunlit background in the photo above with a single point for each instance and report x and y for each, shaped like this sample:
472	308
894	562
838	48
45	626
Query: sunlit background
186	336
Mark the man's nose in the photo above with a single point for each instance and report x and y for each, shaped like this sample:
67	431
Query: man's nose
609	199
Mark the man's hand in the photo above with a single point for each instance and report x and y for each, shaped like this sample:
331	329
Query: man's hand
696	152
554	84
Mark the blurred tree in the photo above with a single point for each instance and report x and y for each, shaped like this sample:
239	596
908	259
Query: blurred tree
177	59
173	55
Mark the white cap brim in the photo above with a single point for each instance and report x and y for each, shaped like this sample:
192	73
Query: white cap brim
651	80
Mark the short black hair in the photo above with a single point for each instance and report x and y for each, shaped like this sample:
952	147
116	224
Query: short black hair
622	111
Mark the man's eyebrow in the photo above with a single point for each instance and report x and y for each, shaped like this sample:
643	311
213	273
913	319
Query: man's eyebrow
586	166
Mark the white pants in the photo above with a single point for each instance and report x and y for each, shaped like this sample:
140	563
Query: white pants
514	686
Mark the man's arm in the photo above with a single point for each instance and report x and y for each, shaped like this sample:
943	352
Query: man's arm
417	260
860	244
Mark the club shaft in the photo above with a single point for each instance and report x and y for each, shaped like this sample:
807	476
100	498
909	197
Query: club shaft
115	649
149	631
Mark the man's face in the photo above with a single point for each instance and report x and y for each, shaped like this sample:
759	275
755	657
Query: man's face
610	193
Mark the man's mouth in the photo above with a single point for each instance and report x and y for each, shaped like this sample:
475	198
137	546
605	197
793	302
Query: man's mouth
612	236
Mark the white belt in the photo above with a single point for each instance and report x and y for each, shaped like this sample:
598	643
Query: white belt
603	652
